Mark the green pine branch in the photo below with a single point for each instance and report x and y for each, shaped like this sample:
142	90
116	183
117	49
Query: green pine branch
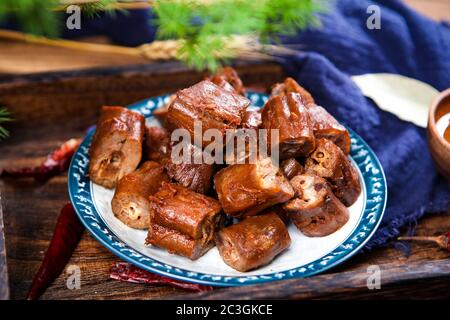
93	9
34	16
204	27
39	17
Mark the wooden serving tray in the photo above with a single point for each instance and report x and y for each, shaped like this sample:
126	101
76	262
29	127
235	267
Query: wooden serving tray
53	107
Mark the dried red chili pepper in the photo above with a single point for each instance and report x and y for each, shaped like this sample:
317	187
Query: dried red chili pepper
67	234
124	271
56	162
443	241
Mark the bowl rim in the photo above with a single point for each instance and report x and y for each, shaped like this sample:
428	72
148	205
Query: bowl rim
432	119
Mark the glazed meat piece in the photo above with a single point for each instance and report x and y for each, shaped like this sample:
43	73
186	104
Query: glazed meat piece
221	82
287	114
228	79
329	162
197	177
190	213
279	210
326	126
289	86
157	144
116	148
251	119
130	203
182	221
212	106
253	242
241	146
291	168
177	243
246	189
315	210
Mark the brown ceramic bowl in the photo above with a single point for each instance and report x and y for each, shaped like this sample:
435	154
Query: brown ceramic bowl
439	147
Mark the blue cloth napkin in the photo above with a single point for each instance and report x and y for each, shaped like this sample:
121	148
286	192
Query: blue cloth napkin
407	44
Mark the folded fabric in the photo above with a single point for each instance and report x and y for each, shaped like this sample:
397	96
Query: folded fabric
407	44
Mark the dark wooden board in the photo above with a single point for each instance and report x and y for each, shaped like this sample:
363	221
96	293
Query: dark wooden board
395	282
4	283
50	108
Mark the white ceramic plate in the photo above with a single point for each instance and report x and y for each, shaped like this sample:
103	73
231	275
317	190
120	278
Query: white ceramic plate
305	257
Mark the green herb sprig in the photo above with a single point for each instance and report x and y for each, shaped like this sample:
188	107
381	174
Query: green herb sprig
206	27
93	9
41	17
34	16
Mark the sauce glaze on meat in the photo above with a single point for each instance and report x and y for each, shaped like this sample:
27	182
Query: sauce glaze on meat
211	105
288	115
329	162
246	189
183	221
116	148
130	203
253	242
315	210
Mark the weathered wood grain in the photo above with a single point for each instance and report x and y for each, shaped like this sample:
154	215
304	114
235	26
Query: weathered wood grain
4	283
25	58
54	107
346	284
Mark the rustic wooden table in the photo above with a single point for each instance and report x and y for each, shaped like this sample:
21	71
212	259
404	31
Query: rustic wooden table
50	108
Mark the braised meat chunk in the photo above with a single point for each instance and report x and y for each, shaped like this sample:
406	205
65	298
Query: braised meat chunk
251	119
326	126
242	146
246	189
279	210
130	203
157	144
291	168
288	114
182	221
291	86
329	162
253	242
176	242
186	211
228	79
212	106
197	177
116	148
315	210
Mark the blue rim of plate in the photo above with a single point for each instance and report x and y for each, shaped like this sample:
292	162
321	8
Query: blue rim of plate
362	155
